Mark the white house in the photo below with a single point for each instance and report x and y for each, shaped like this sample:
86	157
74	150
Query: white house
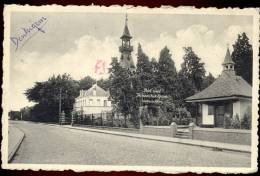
95	100
229	94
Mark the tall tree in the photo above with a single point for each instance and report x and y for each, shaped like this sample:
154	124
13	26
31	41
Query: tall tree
167	74
154	78
46	95
143	70
122	88
208	80
193	69
242	55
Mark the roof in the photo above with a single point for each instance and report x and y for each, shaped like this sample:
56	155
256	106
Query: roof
99	91
227	85
126	32
228	59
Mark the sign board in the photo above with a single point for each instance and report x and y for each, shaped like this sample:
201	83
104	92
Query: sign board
152	97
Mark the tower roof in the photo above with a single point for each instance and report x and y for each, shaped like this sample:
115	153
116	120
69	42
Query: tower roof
228	59
126	33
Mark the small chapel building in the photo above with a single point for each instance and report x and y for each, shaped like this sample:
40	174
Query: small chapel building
229	95
93	101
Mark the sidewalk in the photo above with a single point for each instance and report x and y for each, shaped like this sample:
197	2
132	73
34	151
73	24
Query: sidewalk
207	144
15	138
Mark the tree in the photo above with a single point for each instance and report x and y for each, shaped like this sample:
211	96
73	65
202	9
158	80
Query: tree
86	82
143	70
104	83
193	69
46	95
167	74
154	78
190	78
208	80
122	88
242	55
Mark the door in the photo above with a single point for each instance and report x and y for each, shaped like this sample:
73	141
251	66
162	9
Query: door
219	116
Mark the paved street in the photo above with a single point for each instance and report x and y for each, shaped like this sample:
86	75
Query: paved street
52	144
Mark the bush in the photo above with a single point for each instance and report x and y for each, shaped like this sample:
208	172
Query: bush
227	121
235	123
246	120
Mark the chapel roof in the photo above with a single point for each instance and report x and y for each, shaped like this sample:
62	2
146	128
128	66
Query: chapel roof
226	85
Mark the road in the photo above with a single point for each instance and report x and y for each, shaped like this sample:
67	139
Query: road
44	144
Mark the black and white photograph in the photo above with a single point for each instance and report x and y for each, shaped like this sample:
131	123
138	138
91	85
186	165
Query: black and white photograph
93	88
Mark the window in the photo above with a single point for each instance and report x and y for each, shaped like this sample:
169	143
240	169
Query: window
210	110
105	102
90	102
98	102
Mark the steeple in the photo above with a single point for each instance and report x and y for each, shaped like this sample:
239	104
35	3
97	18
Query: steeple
126	33
228	64
126	49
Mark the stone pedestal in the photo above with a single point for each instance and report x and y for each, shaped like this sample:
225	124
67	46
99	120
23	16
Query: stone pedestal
173	127
191	126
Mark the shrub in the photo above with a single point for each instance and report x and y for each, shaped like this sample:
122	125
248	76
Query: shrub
227	121
235	122
246	120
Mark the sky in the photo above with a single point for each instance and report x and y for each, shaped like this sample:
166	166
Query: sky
73	42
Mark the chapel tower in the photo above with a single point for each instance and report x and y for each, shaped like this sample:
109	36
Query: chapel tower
126	60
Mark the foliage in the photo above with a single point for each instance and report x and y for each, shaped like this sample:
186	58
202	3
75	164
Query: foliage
193	69
86	82
208	80
14	115
167	74
246	120
191	78
144	72
122	88
243	57
46	95
227	121
104	83
235	122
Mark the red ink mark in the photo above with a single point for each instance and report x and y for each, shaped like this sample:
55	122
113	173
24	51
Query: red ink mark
100	67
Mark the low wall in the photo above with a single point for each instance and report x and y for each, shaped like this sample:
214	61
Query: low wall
166	131
233	136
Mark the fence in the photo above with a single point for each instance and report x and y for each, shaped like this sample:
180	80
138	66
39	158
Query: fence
103	119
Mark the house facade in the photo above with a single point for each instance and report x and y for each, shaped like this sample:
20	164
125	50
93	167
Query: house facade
95	100
229	95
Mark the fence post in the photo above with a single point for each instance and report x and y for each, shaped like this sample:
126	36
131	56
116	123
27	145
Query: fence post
191	126
173	127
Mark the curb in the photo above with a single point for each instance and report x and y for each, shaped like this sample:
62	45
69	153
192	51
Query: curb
163	140
12	153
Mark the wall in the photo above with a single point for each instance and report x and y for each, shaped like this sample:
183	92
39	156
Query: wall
166	131
240	107
206	119
236	108
244	104
233	136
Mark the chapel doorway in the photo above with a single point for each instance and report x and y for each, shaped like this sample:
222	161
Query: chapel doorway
219	116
